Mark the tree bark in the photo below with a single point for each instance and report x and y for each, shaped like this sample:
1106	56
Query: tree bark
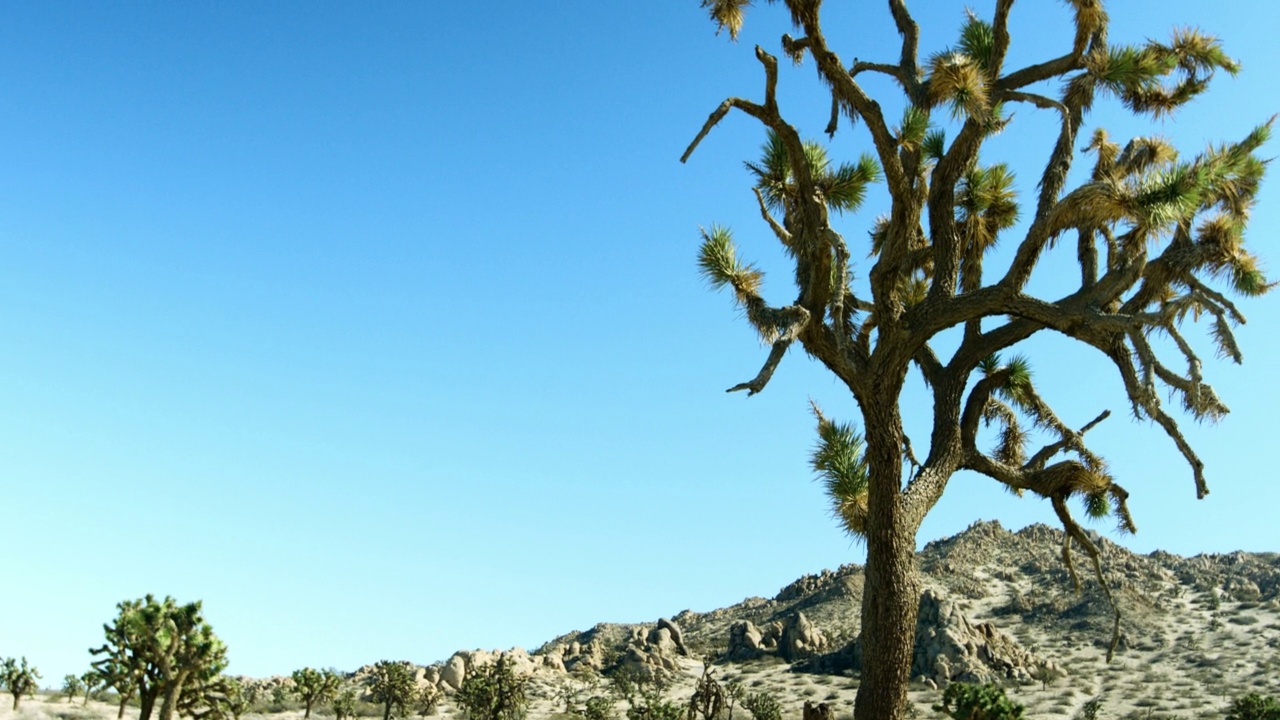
147	701
891	601
172	692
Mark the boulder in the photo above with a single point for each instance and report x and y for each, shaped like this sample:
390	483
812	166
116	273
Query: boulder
454	672
746	641
677	637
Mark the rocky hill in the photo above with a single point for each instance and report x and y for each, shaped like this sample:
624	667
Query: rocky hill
998	606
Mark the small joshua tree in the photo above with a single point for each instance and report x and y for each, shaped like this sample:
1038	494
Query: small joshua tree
71	686
344	705
392	685
428	698
313	686
494	692
19	677
91	680
709	698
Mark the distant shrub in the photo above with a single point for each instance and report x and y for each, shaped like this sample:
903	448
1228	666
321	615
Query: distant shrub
598	707
1092	709
1254	707
643	690
762	706
963	701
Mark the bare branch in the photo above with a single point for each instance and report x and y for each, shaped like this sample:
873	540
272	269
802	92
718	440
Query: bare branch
718	114
1040	101
1074	531
893	71
1216	297
757	383
1070	441
1033	74
846	91
908	453
782	234
910	32
1000	32
1145	401
767	113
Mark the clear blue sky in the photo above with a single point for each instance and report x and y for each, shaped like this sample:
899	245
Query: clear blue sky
377	327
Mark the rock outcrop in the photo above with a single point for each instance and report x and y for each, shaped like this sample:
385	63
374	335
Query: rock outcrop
951	648
800	639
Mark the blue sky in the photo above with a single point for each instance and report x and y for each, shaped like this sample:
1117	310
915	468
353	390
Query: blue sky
378	328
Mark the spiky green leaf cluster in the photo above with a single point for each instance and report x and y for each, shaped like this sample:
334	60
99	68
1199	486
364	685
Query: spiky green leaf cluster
839	462
719	266
844	187
914	129
978	41
727	14
1141	75
986	204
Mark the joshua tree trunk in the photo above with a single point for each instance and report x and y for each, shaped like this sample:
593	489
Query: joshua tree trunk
892	594
172	692
147	703
386	711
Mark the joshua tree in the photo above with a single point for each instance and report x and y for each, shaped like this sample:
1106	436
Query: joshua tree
91	680
314	686
392	684
71	685
1159	242
235	700
162	651
494	692
19	678
344	705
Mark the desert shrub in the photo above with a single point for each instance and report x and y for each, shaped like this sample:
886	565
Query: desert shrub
494	692
1092	709
762	706
963	701
643	691
1254	707
598	707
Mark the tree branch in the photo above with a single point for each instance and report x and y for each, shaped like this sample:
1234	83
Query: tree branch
757	383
